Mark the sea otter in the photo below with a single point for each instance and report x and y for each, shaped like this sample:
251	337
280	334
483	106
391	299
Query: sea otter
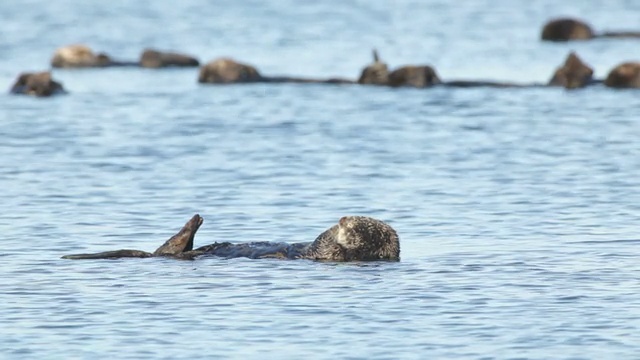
376	73
228	71
39	84
82	56
419	76
567	29
573	74
354	238
151	58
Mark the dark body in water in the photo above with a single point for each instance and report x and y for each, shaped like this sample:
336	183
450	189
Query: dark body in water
354	238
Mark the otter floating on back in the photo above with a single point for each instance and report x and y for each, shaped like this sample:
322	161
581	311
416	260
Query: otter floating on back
354	238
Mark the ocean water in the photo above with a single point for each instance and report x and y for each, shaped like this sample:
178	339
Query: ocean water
517	210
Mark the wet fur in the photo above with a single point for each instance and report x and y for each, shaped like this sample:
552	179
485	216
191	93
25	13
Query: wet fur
354	238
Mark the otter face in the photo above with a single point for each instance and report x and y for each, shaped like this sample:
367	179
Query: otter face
356	238
365	238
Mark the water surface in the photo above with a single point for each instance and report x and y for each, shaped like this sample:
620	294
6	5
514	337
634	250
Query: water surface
517	209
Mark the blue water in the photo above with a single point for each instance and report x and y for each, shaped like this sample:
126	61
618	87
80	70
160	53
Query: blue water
517	210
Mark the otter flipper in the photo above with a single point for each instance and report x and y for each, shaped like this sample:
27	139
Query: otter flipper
183	240
125	253
180	243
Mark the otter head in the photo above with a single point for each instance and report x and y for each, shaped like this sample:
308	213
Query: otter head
365	238
151	58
